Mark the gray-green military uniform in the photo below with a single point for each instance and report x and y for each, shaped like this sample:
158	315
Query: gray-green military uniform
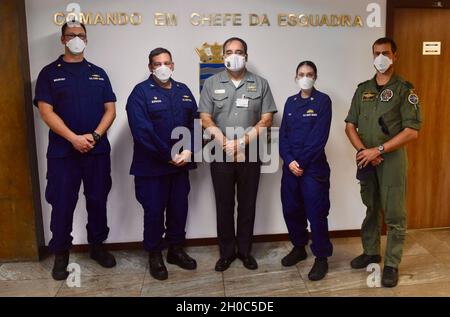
379	116
236	107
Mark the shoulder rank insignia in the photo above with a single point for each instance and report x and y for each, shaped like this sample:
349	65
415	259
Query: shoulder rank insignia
386	95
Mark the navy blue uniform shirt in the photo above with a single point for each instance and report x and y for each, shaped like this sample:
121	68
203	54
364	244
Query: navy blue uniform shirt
153	112
78	93
304	132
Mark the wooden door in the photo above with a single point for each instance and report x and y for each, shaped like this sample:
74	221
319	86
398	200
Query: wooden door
429	156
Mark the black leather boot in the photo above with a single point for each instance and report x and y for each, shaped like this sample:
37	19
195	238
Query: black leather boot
176	255
157	267
59	271
103	257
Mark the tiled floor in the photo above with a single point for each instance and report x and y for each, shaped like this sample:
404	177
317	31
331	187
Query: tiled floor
425	271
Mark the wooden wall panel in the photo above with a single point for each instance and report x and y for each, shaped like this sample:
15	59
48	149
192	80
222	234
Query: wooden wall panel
21	232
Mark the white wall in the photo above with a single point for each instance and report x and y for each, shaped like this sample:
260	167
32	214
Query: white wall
343	57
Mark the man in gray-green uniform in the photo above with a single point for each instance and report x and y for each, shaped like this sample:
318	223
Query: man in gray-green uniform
384	116
239	100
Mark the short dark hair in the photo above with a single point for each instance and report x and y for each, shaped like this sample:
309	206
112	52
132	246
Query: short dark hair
231	39
307	63
158	51
66	25
386	40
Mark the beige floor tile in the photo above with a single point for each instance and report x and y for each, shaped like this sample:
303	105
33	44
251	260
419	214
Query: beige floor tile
118	285
273	283
443	258
359	292
128	262
421	269
423	290
26	270
432	240
29	288
185	283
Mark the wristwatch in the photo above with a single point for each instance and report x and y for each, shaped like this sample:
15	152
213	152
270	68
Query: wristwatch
381	149
242	143
96	136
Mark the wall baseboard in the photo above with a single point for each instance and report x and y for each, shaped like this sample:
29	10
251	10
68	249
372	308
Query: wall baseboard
81	248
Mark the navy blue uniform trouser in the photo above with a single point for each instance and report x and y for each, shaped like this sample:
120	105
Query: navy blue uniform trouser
228	178
64	176
157	194
306	198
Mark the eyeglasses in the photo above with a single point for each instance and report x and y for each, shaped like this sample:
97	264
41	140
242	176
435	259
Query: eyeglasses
71	36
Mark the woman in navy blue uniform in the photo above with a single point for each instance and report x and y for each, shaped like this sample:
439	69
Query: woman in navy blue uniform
306	174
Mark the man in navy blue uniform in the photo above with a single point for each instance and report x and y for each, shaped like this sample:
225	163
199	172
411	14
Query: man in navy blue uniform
306	175
155	108
76	101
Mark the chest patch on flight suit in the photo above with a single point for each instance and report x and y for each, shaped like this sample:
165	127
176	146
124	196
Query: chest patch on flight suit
386	95
156	100
310	113
368	96
251	87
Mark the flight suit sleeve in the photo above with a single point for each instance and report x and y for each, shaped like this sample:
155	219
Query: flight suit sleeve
353	113
268	103
43	89
206	103
285	149
142	128
108	93
410	110
315	145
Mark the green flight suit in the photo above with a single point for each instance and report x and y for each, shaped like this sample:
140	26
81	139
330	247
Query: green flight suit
379	116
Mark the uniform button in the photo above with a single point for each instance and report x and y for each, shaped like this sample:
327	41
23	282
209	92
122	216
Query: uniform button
312	98
235	113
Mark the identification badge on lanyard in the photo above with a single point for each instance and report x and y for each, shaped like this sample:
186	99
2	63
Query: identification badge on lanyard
242	102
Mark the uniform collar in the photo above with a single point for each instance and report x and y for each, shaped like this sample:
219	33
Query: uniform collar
313	96
224	78
394	79
154	85
60	64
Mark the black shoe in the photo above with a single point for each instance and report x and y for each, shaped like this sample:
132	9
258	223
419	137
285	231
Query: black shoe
248	261
59	271
157	267
390	276
224	263
319	269
362	261
296	255
176	255
103	257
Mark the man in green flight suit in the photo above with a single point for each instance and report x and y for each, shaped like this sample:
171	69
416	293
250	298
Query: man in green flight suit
384	116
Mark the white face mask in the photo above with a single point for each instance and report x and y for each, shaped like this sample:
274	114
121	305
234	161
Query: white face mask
76	45
163	73
382	63
235	62
305	83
